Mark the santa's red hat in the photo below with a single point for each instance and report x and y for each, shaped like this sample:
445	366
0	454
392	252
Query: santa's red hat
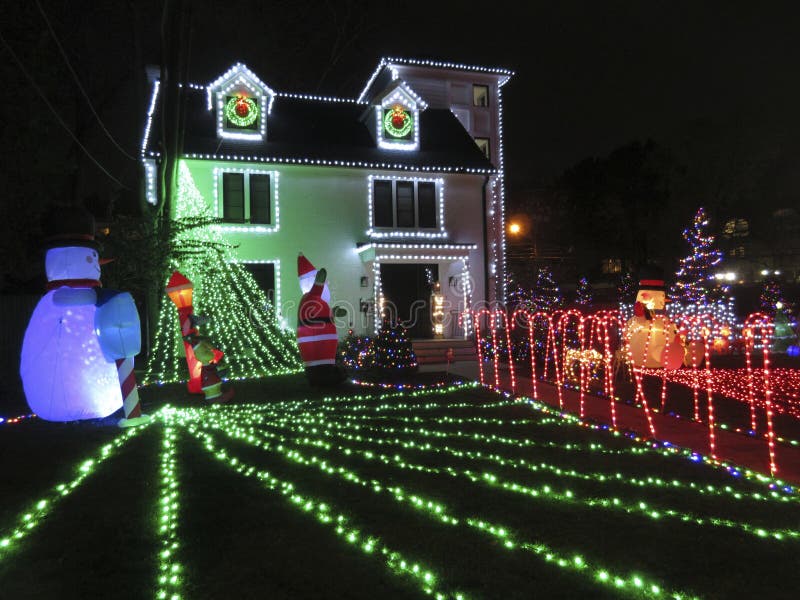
304	266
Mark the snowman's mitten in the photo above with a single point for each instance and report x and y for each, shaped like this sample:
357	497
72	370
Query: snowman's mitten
117	324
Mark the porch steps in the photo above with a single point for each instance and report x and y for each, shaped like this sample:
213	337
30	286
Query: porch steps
435	351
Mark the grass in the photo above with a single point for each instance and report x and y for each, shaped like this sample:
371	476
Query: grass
289	494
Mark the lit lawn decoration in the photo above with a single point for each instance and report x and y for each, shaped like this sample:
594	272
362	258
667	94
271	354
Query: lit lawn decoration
652	338
77	354
316	335
202	359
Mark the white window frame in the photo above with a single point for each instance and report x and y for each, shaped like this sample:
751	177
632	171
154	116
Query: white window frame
399	232
274	182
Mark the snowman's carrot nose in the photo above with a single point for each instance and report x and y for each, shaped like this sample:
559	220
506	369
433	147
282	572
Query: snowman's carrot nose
105	261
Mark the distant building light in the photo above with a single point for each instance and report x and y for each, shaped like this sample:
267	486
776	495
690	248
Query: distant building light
764	272
777	272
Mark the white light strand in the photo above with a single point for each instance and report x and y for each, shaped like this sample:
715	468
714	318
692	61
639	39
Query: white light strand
466	288
501	177
389	61
394	232
150	111
150	181
390	246
447	65
318	98
275	209
232	73
377	297
332	163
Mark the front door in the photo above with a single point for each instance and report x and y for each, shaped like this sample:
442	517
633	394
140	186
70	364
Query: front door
407	293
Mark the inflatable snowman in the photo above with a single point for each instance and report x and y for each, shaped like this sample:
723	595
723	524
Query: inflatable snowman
77	354
653	340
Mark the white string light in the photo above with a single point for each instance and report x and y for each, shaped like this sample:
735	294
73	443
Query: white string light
150	181
150	111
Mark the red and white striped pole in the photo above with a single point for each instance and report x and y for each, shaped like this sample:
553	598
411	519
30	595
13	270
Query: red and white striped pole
130	394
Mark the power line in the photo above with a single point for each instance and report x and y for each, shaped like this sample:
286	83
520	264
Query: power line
77	81
55	114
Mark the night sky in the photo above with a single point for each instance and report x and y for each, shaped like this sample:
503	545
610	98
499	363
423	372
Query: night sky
591	76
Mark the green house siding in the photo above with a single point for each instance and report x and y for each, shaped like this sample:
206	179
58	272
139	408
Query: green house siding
324	213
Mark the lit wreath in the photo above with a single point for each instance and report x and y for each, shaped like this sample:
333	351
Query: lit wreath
241	120
404	129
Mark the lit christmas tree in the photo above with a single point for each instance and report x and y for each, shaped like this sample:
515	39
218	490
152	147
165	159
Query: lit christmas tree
584	294
694	280
393	350
626	288
241	321
546	295
771	295
356	351
518	295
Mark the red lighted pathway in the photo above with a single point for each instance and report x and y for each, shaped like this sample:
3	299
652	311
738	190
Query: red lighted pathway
732	447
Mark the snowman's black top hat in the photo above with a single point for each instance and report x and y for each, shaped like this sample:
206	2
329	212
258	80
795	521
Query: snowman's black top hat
651	277
69	226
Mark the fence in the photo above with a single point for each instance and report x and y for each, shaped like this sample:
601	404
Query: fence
587	352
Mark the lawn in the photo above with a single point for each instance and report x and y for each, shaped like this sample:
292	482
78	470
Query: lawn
287	493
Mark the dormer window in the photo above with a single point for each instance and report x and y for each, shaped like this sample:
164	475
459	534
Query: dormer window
397	119
242	103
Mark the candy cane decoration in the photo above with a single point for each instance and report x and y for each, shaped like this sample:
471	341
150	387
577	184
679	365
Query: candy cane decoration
130	394
766	326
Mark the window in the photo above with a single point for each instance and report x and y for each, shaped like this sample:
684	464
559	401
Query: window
736	228
264	275
483	144
406	204
480	95
611	265
259	199
233	197
247	197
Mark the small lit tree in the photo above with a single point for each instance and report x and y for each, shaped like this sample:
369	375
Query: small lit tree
546	294
694	279
584	295
626	288
771	295
393	350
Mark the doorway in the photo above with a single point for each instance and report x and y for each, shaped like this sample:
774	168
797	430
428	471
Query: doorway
407	292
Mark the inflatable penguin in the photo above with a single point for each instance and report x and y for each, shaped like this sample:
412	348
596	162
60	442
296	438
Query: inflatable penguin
77	354
653	340
316	335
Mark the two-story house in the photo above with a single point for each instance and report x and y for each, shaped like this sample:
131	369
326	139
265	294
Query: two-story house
392	192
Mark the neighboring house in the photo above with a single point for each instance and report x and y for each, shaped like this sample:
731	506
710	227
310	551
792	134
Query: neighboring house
391	192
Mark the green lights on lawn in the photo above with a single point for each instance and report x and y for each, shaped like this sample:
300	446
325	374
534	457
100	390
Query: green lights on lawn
169	569
41	508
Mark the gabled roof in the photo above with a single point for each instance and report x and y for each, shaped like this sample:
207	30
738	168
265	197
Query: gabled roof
385	72
325	131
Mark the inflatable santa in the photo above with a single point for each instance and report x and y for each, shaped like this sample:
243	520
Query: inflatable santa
77	354
653	340
316	334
